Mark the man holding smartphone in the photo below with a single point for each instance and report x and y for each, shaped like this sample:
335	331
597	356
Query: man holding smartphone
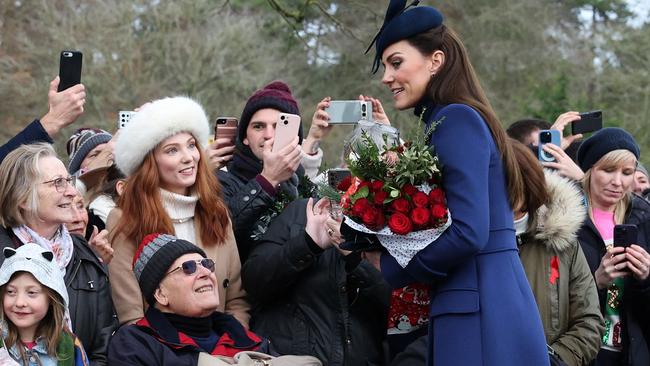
258	179
64	108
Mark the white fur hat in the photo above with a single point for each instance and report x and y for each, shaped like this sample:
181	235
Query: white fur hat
39	262
155	122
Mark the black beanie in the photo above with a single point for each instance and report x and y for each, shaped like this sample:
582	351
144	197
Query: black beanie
275	95
602	142
153	258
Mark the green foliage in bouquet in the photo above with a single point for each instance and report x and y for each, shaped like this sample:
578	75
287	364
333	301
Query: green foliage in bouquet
417	161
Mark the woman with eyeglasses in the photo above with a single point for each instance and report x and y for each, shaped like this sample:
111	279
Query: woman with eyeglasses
170	189
36	197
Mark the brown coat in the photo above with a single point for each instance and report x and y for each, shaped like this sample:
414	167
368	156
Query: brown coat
128	300
567	299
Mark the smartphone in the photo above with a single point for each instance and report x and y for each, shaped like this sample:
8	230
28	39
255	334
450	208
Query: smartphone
286	130
547	137
123	118
625	235
588	122
226	127
69	69
336	175
349	111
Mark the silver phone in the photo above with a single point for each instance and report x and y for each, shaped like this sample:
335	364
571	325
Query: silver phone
349	111
123	117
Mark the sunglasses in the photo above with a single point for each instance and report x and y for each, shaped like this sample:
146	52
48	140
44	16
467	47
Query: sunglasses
60	184
190	267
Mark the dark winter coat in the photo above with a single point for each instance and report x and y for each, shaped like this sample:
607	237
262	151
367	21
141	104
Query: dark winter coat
34	132
310	301
636	294
91	307
154	341
564	289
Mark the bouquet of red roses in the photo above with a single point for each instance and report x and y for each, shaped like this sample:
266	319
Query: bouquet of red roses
394	193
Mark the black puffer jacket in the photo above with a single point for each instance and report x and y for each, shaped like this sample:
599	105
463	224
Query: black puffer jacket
247	202
636	294
91	306
314	302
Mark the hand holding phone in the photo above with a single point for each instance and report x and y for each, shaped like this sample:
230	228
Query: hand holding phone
588	122
547	137
69	69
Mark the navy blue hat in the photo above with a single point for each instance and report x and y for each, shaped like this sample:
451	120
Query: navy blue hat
403	22
602	142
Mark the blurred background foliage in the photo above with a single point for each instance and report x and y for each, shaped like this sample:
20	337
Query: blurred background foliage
535	58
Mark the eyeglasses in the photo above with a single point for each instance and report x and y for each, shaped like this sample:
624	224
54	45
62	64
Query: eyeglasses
190	267
60	183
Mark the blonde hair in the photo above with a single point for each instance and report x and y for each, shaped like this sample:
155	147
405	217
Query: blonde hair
20	174
51	327
613	158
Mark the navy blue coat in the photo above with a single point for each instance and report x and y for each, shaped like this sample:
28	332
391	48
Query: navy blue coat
482	309
34	132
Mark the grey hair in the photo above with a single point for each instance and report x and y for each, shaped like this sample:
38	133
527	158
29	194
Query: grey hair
20	174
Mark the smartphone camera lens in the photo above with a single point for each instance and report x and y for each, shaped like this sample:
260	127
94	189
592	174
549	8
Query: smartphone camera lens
363	108
282	117
286	122
545	137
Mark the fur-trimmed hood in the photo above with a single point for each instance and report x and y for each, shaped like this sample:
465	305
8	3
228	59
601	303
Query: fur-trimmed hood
557	223
155	122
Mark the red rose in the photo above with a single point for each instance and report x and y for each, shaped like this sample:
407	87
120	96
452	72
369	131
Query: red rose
360	206
420	199
409	189
364	183
401	205
438	211
376	185
380	197
344	184
420	216
373	218
437	196
400	224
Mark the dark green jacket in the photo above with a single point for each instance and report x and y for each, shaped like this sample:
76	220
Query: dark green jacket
564	288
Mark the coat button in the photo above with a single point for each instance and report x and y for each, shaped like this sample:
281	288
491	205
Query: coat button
226	283
343	289
253	191
246	198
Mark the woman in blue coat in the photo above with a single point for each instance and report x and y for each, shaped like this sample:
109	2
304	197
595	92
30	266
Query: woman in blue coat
482	309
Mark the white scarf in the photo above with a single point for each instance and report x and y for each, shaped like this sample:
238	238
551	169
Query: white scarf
61	244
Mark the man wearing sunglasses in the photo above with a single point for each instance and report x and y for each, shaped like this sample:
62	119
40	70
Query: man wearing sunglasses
181	325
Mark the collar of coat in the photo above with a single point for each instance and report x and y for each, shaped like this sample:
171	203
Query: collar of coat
556	224
233	337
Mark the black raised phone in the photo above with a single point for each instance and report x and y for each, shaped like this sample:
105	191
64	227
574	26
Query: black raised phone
588	122
69	69
625	235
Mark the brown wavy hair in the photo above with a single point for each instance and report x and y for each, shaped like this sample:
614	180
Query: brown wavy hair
51	327
535	191
143	211
456	82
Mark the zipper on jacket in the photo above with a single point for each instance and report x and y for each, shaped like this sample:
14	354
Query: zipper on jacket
74	273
